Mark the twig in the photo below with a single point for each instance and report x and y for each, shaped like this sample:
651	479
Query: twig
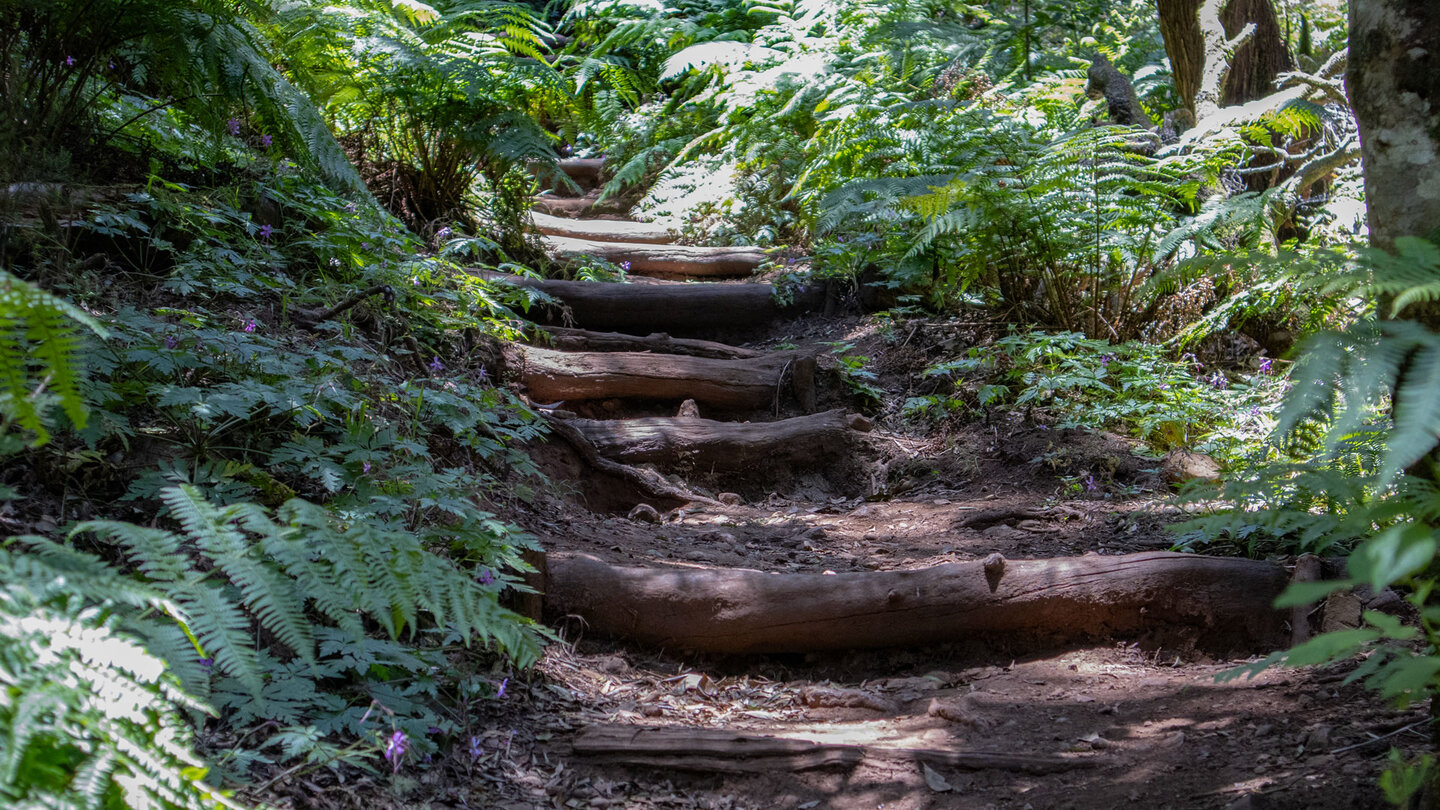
309	319
1396	732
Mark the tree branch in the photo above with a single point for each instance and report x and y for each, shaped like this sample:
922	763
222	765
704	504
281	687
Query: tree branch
309	319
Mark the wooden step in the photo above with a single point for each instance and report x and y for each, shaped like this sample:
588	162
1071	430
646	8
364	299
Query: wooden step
663	261
749	383
577	207
1227	601
677	308
705	444
603	230
583	340
585	172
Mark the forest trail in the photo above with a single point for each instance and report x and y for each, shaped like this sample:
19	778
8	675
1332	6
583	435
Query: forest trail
731	530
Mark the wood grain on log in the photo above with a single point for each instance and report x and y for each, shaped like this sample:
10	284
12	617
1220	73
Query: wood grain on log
575	207
678	308
719	446
1215	601
582	340
725	751
662	260
550	376
603	230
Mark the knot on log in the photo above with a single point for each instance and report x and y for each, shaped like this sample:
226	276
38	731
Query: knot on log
994	566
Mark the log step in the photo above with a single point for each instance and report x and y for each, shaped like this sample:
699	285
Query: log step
576	207
744	383
665	261
582	340
721	750
603	230
677	308
1216	603
798	442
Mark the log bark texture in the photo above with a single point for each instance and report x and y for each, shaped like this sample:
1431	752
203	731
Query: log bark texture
728	751
584	171
582	340
575	207
669	261
683	309
1217	603
719	446
1256	63
550	376
603	230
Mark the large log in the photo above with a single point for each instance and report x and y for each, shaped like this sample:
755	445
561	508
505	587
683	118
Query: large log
582	340
603	230
677	308
731	751
584	171
670	261
575	207
550	375
719	446
1214	602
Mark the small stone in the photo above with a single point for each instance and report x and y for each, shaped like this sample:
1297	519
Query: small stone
644	513
1318	738
816	533
1180	466
859	423
729	499
688	410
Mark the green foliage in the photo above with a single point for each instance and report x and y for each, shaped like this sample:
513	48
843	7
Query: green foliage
1131	388
88	718
1361	416
39	338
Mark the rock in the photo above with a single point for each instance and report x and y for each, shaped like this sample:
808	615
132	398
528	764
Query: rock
644	513
1180	466
1317	739
729	499
689	409
859	423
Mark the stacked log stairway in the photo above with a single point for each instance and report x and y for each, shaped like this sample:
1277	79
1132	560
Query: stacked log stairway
615	343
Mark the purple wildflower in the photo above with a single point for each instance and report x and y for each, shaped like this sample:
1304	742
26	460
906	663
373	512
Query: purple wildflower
266	140
249	326
625	266
69	61
265	231
476	751
350	206
1266	365
207	664
436	366
432	730
486	577
395	749
365	466
444	233
1105	359
1218	381
1090	485
234	125
171	342
364	245
500	691
483	374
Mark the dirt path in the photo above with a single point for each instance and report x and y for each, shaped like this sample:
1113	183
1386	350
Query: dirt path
977	721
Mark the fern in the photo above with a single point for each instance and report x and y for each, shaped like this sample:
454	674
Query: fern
40	336
87	718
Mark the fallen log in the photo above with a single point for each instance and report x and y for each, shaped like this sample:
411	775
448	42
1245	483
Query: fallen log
677	308
720	750
705	444
671	261
582	340
1215	603
603	230
585	172
747	383
649	484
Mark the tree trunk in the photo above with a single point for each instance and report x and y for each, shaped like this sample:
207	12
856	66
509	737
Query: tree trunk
1255	65
1394	85
1215	603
